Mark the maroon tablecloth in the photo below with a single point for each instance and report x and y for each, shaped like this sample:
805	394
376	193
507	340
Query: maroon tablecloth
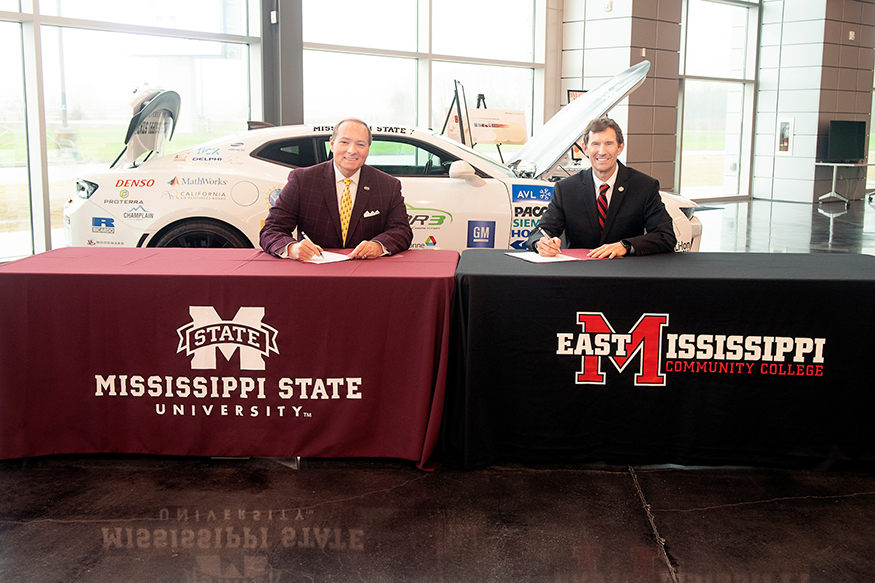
223	353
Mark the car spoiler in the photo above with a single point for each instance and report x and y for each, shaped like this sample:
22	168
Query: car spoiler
149	125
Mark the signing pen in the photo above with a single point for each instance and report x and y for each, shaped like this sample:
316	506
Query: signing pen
312	243
546	234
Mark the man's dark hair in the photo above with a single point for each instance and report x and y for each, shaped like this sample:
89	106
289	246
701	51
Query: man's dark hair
600	124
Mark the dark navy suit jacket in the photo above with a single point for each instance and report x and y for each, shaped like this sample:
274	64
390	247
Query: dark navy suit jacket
309	202
636	214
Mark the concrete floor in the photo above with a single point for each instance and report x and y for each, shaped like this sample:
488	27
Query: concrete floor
164	519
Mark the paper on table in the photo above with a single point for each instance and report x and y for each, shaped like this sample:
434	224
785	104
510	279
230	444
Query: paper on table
328	257
533	257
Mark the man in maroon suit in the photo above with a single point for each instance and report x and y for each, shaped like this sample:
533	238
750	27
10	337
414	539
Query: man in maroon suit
339	204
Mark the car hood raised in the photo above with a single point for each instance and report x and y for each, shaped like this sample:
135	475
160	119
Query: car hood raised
547	146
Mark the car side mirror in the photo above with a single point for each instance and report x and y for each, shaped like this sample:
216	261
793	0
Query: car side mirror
464	171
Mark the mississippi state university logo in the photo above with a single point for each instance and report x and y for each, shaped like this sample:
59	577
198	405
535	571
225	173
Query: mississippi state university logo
208	332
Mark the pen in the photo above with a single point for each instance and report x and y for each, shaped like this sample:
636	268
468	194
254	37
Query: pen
311	242
546	234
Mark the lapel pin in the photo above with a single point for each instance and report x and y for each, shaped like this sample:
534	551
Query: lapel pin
367	187
620	189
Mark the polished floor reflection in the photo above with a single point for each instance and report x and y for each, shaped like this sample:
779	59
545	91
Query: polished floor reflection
119	518
785	227
142	518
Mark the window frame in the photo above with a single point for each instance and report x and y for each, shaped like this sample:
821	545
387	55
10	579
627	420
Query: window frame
748	82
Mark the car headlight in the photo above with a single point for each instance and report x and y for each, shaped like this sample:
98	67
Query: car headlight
85	189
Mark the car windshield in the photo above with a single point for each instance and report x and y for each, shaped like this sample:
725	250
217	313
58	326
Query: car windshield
486	160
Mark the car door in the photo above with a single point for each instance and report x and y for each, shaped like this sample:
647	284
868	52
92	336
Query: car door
444	212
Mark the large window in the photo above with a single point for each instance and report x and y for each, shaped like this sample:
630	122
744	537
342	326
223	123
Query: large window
509	88
711	160
375	24
87	113
396	61
15	231
339	85
718	88
484	29
92	57
225	16
870	154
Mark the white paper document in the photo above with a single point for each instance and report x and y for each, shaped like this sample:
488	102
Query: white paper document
533	257
328	257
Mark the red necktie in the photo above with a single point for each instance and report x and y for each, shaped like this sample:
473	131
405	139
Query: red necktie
603	206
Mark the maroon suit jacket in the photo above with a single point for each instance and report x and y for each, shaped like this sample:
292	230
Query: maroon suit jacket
309	202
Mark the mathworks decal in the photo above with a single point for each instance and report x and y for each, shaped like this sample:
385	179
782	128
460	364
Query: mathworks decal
660	354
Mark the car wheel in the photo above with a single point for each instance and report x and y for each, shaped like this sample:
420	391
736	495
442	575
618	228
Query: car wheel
201	234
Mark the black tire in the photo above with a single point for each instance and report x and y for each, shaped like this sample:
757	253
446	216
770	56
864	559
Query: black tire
201	234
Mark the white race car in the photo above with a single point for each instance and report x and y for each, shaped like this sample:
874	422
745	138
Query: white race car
218	194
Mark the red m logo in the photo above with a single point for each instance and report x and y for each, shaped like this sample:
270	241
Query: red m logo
599	339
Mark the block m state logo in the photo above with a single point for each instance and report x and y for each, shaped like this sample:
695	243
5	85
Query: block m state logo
207	332
599	340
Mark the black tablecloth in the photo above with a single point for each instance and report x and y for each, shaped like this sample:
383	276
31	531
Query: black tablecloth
676	358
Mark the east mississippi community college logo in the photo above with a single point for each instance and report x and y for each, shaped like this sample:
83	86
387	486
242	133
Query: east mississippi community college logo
660	353
208	332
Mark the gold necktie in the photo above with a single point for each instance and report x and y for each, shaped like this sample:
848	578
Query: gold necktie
345	209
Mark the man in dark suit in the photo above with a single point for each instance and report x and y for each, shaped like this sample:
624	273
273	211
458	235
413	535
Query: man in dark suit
339	204
611	209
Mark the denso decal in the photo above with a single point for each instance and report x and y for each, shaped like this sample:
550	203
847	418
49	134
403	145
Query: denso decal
526	192
142	183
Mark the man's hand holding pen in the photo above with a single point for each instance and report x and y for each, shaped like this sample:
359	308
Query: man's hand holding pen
304	249
549	246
